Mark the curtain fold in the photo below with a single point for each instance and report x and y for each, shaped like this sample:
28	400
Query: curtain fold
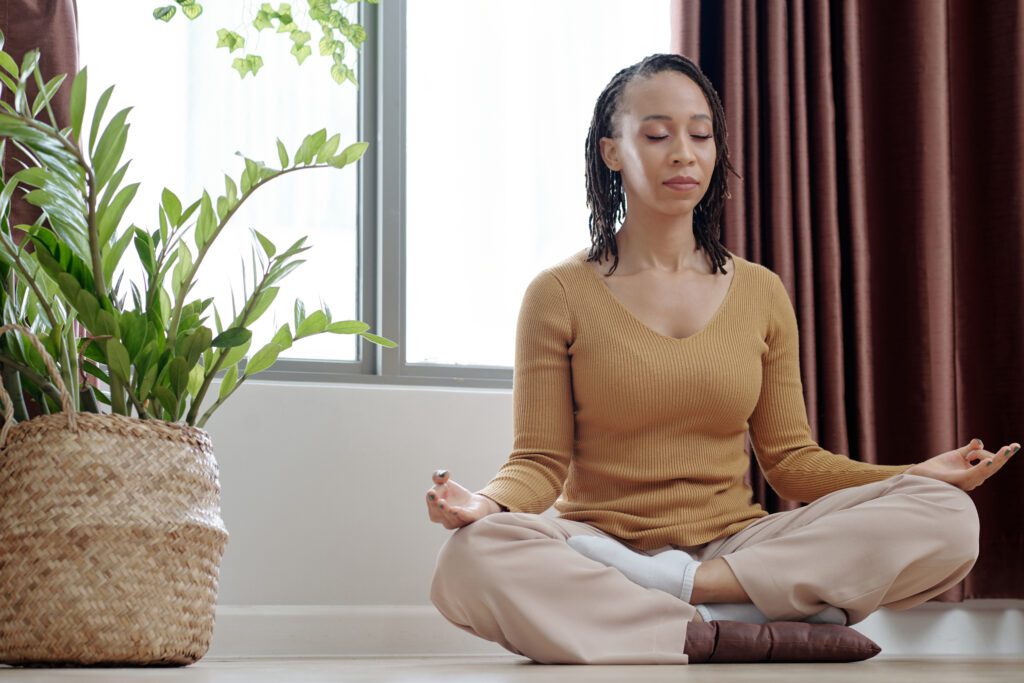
52	27
881	146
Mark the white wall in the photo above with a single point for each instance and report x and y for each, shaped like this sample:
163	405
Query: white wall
331	550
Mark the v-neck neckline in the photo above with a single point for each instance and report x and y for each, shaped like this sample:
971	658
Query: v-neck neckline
629	314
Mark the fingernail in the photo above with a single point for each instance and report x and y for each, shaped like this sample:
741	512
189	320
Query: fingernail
988	462
431	496
979	442
442	473
1015	449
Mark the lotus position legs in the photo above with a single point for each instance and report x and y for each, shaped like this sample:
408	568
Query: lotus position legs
710	586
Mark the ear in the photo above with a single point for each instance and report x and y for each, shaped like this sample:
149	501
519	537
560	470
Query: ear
610	153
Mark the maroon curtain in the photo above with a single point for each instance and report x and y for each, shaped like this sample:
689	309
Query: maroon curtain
52	27
881	147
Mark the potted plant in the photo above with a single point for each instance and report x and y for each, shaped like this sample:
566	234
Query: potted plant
110	528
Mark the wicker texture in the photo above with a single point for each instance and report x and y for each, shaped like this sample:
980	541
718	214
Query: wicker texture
110	540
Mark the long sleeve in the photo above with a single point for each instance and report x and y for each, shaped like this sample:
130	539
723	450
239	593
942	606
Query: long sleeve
543	418
793	464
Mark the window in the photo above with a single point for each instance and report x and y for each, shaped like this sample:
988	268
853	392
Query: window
191	113
476	114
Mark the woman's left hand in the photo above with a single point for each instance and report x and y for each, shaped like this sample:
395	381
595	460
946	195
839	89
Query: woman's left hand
955	466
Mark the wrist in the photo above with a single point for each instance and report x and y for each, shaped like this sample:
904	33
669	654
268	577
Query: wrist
494	505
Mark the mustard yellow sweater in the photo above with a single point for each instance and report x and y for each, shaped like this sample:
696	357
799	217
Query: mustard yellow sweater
643	435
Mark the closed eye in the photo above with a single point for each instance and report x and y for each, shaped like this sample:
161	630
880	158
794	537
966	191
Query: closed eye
699	137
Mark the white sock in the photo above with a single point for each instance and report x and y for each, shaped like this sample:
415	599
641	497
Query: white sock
749	613
671	571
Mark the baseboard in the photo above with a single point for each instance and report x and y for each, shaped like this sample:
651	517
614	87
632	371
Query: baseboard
975	628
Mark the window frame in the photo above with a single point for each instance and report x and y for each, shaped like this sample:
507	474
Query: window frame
380	232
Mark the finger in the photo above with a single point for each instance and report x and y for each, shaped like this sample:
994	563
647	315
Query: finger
1001	456
450	514
440	490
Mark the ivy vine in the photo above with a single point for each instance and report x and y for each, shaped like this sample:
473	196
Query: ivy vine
336	28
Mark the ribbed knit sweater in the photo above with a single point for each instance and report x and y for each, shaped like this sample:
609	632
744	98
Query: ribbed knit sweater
643	435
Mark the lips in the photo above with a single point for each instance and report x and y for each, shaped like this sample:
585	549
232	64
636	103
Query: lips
682	182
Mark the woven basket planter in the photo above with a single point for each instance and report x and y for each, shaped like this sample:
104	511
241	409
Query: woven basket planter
110	540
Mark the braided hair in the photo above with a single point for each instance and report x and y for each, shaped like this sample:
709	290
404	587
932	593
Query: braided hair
605	197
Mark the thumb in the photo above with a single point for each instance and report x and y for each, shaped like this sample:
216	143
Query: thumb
974	445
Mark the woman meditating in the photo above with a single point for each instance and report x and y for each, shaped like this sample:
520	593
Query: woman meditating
634	389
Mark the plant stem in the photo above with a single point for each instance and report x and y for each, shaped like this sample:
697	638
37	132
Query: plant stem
176	316
31	281
40	381
117	395
12	384
201	394
88	400
206	416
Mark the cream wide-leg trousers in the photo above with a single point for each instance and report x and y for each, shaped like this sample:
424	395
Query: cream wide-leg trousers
511	578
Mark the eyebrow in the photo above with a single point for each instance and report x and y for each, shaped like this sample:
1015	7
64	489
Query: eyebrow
669	118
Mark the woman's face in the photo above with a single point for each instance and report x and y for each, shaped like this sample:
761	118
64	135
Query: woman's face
665	130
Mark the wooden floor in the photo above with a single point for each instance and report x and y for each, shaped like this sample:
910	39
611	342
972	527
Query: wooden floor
513	669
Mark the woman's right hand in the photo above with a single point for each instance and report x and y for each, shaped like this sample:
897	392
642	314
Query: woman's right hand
454	506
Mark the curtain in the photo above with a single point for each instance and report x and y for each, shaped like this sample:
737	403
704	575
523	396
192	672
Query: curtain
52	27
881	149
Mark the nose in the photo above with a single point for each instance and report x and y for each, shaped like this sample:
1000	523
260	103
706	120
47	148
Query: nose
683	152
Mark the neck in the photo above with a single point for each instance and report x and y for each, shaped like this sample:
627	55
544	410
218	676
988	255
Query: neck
659	243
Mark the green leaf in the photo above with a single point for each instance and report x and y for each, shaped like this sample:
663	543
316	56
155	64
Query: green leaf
46	94
167	400
106	324
78	90
117	360
97	117
110	216
148	380
28	64
178	374
349	154
228	383
311	144
262	304
237	353
267	245
229	39
172	205
301	52
235	336
164	13
282	154
314	324
283	338
328	148
207	222
88	308
383	341
198	342
195	380
8	63
144	248
263	359
113	256
191	9
347	327
230	189
110	147
339	72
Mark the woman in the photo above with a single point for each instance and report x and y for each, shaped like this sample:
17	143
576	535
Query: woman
633	393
